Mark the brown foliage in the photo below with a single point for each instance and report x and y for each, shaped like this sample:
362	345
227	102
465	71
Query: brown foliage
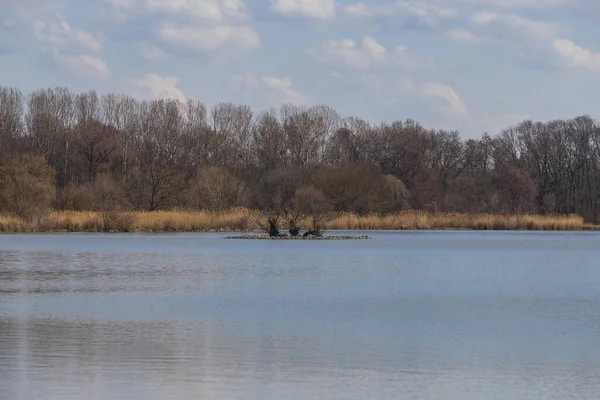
107	194
115	220
394	194
215	189
26	187
516	189
277	189
74	199
361	189
348	188
311	202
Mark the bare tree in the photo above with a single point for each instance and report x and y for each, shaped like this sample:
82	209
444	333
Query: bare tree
11	120
306	131
50	120
96	144
312	203
151	152
215	189
268	144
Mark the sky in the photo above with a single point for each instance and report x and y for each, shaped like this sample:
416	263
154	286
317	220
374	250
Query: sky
469	65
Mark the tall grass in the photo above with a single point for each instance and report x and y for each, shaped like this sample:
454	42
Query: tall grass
420	220
242	220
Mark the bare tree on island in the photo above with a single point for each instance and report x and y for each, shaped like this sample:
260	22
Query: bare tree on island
311	203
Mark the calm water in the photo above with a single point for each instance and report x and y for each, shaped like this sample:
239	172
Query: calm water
406	315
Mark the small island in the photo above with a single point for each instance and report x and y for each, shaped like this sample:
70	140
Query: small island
307	207
290	237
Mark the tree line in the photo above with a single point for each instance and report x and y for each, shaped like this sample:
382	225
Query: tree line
114	151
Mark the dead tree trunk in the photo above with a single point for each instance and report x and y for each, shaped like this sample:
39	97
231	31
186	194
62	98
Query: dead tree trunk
273	230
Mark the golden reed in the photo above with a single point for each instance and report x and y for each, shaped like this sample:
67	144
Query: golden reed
243	220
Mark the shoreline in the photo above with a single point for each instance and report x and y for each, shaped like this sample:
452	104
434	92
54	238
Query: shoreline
243	221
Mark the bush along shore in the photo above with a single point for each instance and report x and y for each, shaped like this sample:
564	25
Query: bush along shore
245	221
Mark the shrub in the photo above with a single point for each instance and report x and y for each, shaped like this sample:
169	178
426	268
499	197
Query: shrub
117	221
74	199
107	193
27	187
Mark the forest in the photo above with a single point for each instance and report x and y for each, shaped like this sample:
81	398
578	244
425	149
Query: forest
84	151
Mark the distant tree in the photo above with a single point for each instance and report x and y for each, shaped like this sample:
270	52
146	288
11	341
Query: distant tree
268	143
11	121
215	189
312	203
274	195
26	186
129	153
95	145
516	190
108	194
277	188
394	195
74	198
357	188
49	119
155	187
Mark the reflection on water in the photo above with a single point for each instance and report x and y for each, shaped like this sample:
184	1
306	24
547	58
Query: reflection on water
403	316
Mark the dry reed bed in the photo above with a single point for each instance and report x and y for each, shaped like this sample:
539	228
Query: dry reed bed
417	220
242	220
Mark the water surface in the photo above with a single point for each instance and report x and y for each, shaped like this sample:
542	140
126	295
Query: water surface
406	315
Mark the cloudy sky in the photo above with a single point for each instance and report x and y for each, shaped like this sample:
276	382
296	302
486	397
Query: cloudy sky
470	65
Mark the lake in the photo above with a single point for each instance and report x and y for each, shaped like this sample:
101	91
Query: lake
405	315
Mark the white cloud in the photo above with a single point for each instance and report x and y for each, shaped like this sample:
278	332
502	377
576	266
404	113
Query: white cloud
354	55
226	39
217	11
216	26
464	36
521	4
318	9
74	49
121	4
121	8
279	90
60	34
212	10
577	56
369	54
159	86
83	64
484	17
446	97
511	25
152	52
401	12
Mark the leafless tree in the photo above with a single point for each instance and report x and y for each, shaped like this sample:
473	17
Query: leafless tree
215	189
151	152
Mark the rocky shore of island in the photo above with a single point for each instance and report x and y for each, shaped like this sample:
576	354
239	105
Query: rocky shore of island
300	237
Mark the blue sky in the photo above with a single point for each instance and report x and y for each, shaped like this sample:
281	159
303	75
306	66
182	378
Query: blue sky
471	65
